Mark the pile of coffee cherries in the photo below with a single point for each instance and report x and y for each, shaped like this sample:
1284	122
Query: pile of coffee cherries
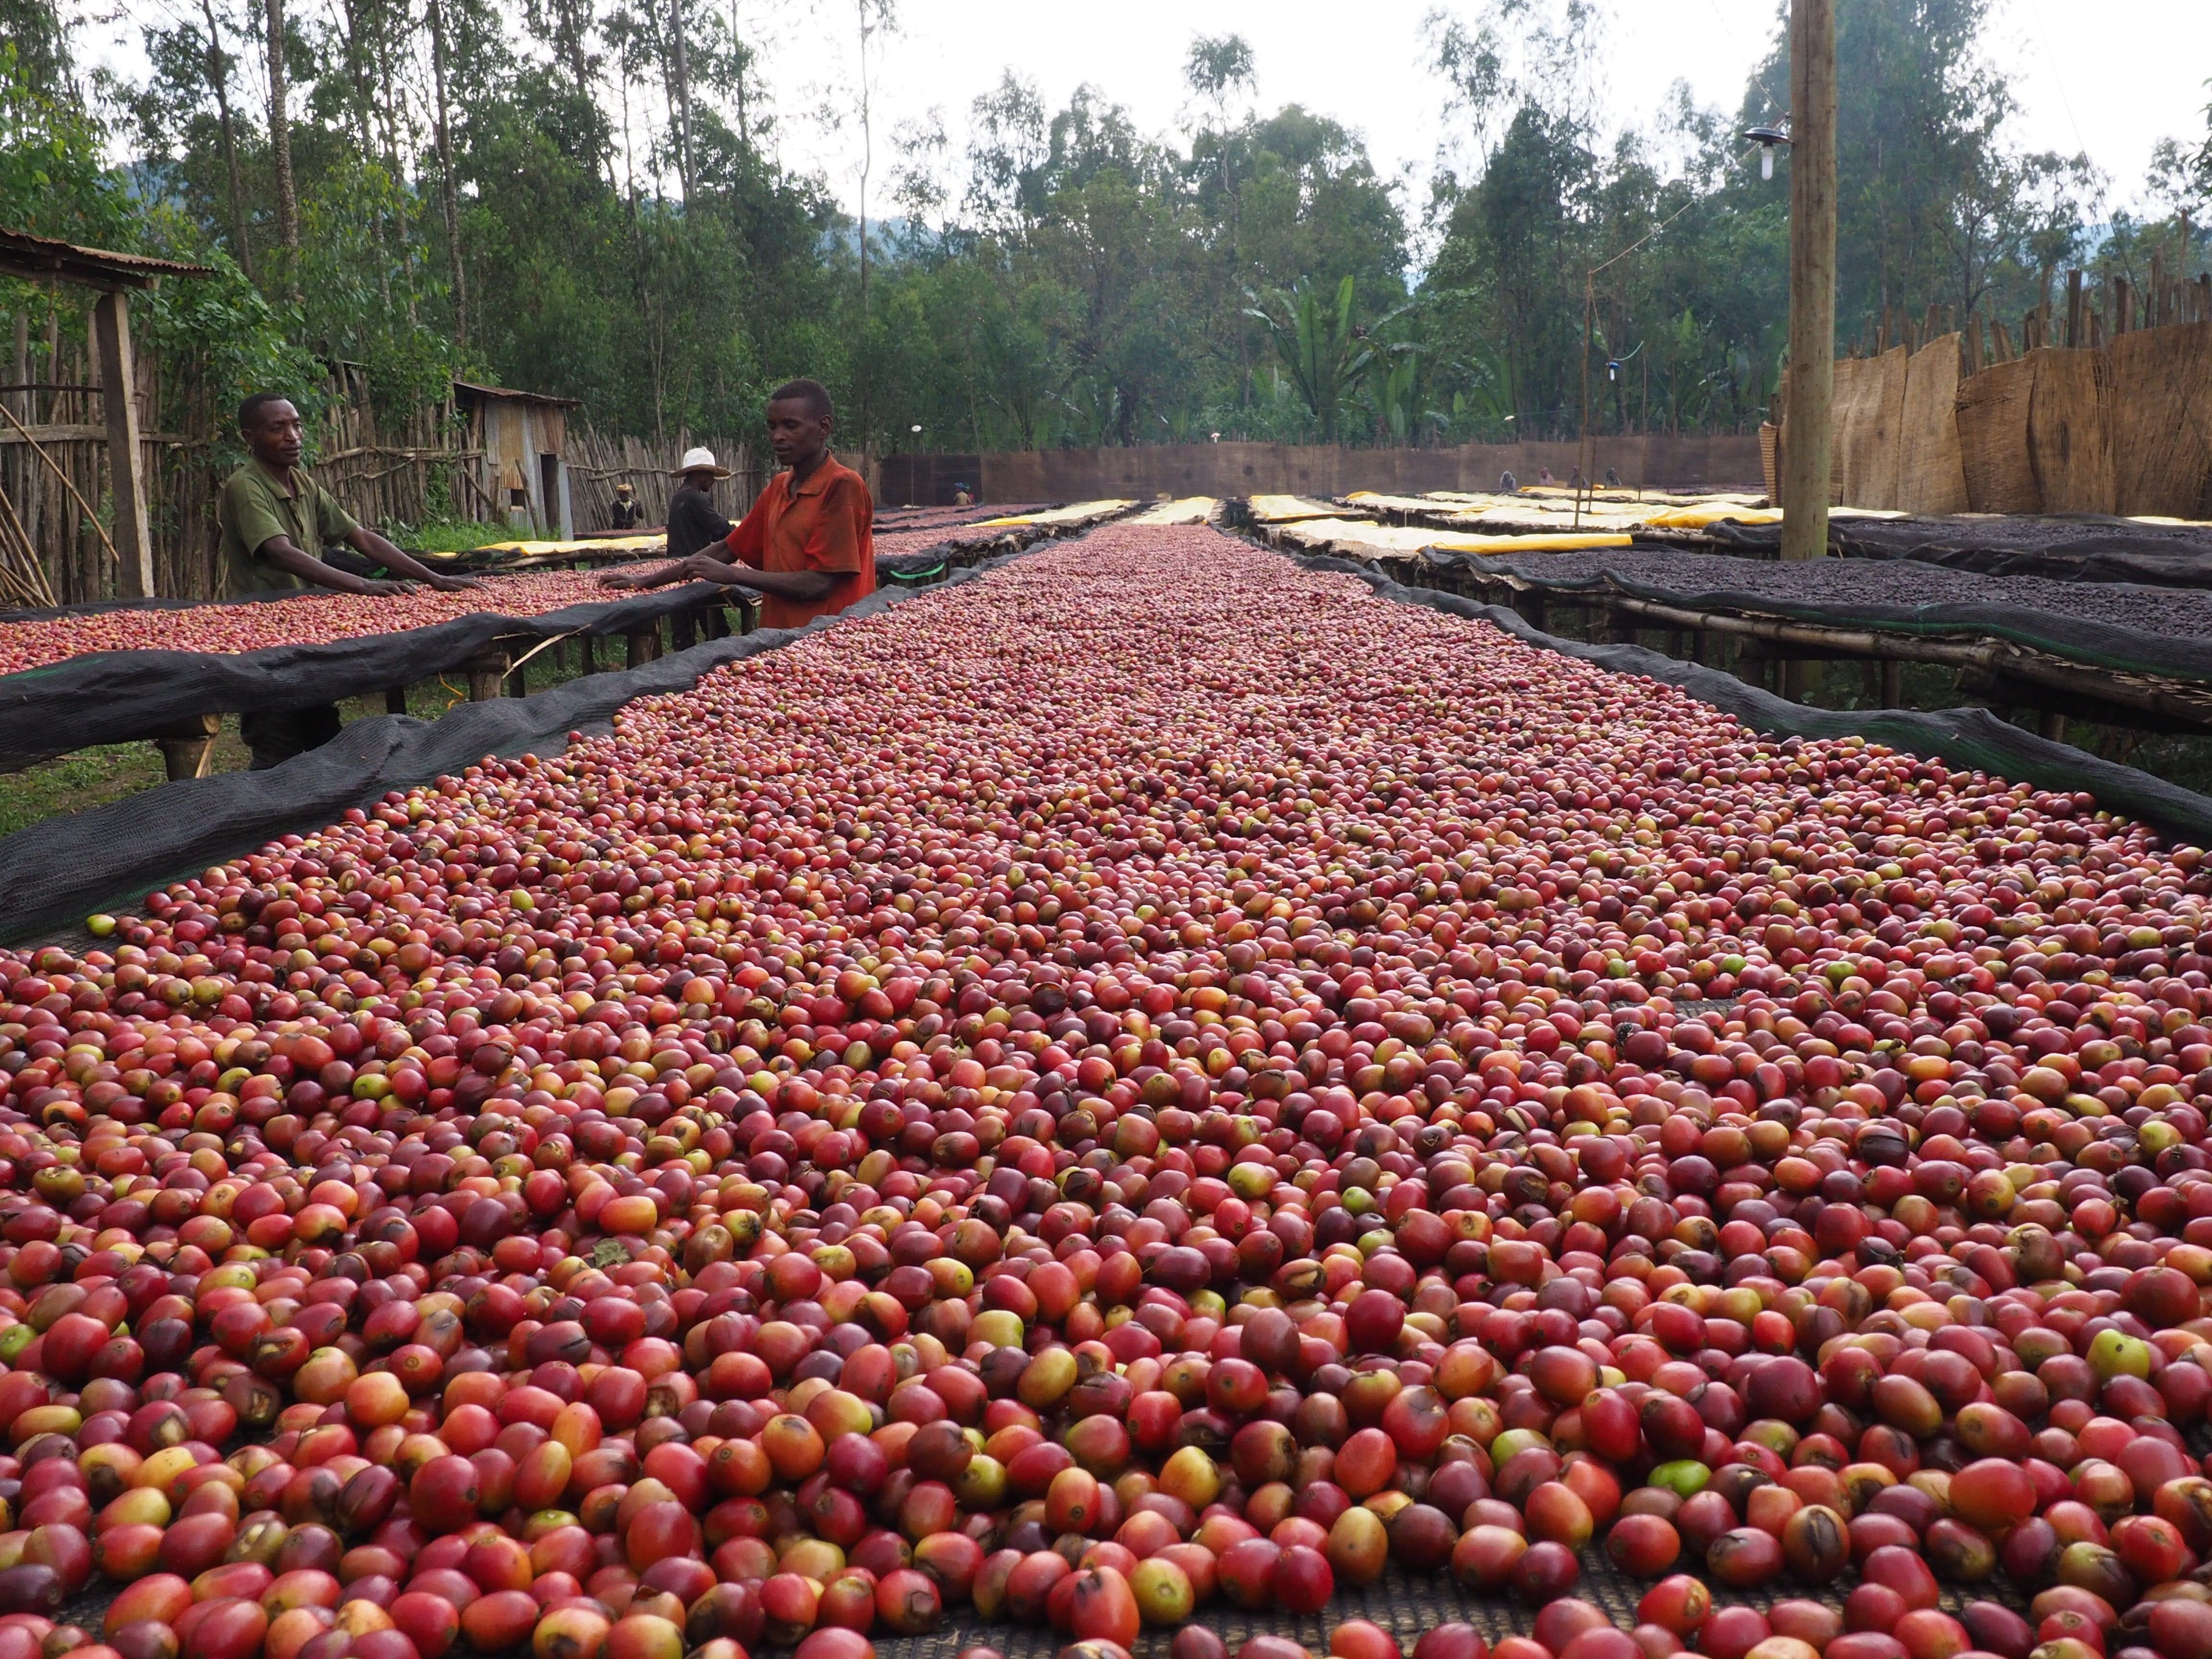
1147	1082
320	618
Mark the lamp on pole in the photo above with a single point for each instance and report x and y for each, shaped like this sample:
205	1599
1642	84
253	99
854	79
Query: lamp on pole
1766	138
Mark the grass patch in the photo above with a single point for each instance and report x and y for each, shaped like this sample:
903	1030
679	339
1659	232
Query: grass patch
93	777
455	538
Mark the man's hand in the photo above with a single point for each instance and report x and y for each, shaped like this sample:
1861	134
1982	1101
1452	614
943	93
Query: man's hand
456	584
384	590
624	579
701	567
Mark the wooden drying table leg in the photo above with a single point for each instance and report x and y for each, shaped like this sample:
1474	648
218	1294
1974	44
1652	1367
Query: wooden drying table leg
395	699
485	672
188	747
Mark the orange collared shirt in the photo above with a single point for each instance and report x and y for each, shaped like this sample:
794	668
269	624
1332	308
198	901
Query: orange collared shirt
828	523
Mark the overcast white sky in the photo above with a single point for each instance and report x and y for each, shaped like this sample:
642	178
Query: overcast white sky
2112	86
2111	80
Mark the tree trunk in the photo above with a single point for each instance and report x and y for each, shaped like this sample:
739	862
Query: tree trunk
280	148
218	74
867	158
403	235
357	65
447	200
737	47
682	98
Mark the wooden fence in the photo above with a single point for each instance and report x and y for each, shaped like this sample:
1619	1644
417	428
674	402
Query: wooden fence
2105	409
54	502
1657	461
53	467
597	463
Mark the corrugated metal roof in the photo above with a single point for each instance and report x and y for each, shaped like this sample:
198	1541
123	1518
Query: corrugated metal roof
23	254
518	397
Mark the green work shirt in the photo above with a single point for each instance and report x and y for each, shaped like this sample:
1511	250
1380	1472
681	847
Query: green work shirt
255	507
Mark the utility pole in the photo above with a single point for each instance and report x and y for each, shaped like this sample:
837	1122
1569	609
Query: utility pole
1809	390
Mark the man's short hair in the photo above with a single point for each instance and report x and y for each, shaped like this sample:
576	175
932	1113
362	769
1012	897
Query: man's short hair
812	393
249	412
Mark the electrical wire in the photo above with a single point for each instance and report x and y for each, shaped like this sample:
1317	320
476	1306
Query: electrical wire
2035	14
1773	104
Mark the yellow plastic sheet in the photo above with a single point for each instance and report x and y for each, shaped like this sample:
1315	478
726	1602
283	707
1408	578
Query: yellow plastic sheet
596	544
1358	538
1191	509
1290	509
1078	514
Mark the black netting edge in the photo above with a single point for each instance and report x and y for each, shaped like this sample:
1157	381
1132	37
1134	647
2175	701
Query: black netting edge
55	872
102	607
1971	738
2083	547
2082	639
117	696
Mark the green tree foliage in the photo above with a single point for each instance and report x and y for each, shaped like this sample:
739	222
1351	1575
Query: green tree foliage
562	195
1662	251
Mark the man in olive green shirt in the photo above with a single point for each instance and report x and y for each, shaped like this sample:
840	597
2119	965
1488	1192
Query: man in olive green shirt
275	520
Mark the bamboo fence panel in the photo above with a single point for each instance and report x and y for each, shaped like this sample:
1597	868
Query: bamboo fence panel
597	462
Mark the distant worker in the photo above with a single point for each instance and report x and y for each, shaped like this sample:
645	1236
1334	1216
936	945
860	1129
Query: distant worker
1612	478
1576	482
1544	476
627	513
808	546
961	498
693	522
275	521
1507	484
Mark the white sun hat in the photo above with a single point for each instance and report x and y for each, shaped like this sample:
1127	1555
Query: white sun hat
698	459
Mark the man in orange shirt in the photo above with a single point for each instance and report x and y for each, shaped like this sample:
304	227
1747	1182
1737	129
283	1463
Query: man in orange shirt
808	546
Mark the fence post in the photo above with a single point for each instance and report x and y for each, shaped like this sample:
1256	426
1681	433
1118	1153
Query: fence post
118	383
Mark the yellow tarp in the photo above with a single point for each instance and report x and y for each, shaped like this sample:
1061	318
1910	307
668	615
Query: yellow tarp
597	544
1565	541
1696	518
1192	509
1077	514
1360	540
1289	509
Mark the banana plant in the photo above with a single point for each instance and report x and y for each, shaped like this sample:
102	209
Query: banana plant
1324	355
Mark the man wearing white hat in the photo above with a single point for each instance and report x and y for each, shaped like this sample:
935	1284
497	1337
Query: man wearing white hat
693	523
693	526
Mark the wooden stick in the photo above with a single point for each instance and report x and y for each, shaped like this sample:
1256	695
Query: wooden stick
66	483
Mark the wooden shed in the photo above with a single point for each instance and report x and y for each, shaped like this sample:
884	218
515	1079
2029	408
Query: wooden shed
522	437
113	277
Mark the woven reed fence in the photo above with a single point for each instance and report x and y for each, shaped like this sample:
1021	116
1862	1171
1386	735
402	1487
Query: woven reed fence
2072	415
597	462
54	501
